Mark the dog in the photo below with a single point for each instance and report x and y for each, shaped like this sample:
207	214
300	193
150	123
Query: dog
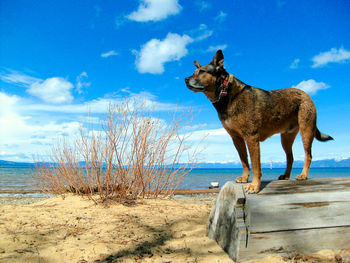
251	115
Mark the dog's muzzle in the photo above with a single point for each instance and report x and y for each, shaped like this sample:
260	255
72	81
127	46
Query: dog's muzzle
193	85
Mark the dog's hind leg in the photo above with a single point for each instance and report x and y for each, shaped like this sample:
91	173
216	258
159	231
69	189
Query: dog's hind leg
307	125
254	151
287	140
307	137
242	152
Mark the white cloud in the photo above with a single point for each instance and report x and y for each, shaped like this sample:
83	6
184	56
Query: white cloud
340	55
155	10
98	105
7	101
311	86
201	33
221	17
216	48
295	64
109	54
52	90
213	135
155	53
81	82
21	136
18	78
95	106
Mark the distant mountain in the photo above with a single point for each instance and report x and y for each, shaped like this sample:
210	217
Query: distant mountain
326	163
15	164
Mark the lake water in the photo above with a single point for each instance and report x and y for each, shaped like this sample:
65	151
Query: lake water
19	178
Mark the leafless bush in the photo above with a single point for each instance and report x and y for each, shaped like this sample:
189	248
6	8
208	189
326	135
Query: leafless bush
133	155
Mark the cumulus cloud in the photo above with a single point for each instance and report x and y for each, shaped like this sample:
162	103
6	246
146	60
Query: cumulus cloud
155	53
52	90
109	54
311	86
295	64
340	55
155	10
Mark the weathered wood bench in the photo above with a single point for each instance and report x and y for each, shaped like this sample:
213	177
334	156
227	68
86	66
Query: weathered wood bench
284	218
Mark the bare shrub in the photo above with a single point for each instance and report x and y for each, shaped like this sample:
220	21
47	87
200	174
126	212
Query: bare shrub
132	155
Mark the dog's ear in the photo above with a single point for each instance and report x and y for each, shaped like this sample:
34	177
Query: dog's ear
218	59
196	63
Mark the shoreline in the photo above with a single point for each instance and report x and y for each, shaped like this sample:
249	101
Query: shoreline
25	198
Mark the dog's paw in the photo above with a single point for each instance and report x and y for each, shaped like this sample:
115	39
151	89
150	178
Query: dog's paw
283	177
252	188
242	179
301	177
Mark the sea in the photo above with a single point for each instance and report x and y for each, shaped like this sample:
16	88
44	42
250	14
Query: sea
21	178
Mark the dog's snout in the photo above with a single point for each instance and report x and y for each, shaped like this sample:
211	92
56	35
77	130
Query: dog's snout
187	79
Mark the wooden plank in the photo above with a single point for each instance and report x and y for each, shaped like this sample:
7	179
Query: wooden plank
226	220
298	211
239	194
288	243
308	186
239	234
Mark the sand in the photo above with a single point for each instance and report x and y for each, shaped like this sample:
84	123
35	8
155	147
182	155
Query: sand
77	230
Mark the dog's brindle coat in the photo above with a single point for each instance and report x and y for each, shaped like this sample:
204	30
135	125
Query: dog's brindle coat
251	115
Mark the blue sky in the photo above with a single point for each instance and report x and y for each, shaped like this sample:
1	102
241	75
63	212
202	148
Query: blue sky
58	58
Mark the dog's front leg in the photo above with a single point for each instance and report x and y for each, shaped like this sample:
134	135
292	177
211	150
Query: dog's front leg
254	151
242	152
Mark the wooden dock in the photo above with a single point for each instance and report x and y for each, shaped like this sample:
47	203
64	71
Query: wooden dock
284	218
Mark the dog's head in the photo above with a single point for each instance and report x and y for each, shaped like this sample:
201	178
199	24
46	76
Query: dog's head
208	78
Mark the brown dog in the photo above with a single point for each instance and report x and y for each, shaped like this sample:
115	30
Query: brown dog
251	115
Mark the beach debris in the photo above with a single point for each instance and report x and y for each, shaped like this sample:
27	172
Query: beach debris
214	185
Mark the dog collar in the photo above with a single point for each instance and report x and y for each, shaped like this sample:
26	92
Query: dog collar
224	87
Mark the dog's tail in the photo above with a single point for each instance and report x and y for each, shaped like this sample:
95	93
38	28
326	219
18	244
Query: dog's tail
322	137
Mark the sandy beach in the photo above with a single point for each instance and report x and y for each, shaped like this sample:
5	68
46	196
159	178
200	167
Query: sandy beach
77	230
